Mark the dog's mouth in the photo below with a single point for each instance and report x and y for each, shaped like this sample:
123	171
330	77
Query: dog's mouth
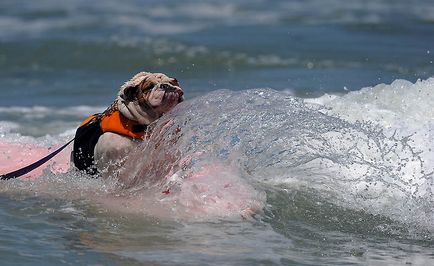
163	97
172	93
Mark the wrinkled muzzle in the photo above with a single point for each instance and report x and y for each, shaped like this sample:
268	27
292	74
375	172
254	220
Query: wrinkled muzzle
168	89
164	96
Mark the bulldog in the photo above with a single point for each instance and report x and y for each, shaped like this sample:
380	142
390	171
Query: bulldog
103	140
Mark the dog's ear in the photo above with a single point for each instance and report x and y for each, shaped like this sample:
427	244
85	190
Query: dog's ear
130	93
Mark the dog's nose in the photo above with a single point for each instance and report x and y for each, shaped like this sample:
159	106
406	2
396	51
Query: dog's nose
180	95
169	88
180	92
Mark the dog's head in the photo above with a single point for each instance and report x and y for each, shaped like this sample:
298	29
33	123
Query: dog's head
153	93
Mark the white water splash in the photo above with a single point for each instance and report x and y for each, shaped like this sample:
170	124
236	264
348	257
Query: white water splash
362	151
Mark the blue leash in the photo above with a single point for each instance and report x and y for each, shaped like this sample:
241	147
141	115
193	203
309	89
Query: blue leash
33	166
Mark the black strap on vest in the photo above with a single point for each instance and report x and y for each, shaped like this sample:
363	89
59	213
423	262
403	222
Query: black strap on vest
139	128
86	138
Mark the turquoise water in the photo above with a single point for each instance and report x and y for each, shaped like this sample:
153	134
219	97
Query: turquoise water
288	93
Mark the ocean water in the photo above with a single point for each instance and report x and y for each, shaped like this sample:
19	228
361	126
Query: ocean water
318	111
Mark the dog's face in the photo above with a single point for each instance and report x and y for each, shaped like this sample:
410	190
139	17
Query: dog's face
160	92
155	90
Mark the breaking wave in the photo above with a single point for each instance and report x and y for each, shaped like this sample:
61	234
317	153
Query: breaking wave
365	153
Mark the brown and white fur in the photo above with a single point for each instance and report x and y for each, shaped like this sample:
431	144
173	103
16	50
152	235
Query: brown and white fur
144	99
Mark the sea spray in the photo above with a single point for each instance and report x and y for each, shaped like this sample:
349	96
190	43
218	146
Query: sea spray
272	139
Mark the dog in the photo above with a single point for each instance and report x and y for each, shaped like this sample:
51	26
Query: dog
103	140
164	181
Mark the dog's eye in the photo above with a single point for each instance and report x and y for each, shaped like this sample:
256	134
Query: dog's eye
130	93
167	88
150	87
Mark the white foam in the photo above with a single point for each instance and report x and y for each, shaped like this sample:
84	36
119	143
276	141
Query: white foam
44	120
403	157
402	108
401	102
7	127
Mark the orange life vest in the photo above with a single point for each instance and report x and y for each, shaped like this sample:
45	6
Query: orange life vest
92	128
117	123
